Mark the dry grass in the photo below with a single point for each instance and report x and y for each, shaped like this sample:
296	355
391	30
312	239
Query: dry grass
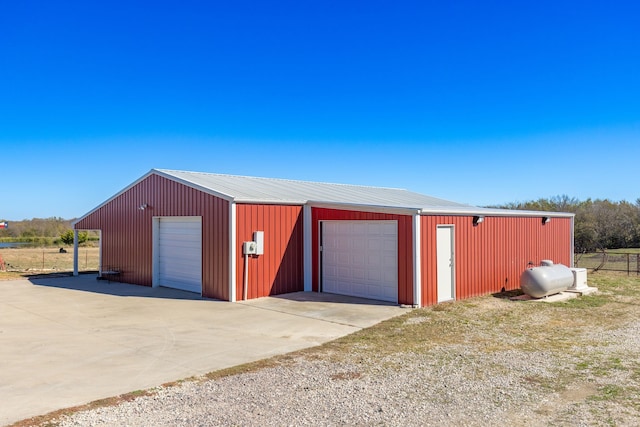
496	321
27	261
576	335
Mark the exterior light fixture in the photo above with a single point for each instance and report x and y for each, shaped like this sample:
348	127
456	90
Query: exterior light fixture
477	220
546	219
143	206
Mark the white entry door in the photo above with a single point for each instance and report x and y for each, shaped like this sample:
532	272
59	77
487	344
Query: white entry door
360	258
178	253
445	262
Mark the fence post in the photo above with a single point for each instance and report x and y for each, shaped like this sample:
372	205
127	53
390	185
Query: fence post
628	264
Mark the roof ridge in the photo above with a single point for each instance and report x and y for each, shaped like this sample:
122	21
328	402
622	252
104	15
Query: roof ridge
281	179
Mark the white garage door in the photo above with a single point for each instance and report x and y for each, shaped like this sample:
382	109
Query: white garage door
360	258
179	253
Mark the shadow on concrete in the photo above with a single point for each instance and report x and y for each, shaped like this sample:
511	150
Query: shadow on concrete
89	283
332	298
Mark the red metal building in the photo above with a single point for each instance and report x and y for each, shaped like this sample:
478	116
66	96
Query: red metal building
188	230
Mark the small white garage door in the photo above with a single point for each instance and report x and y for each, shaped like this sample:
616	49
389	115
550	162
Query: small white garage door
360	258
179	253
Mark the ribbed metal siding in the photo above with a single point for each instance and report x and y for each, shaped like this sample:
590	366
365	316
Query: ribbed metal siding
492	255
281	268
127	240
405	244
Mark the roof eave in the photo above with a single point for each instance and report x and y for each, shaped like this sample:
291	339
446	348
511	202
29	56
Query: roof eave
492	212
364	207
269	202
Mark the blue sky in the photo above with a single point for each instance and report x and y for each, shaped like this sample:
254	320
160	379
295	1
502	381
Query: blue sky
478	102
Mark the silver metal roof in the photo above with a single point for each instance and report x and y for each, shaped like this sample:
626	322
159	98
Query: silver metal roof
246	189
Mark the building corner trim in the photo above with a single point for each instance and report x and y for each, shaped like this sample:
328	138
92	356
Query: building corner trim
232	252
417	263
307	248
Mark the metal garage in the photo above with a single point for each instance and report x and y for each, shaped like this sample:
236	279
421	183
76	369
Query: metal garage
360	258
189	230
178	253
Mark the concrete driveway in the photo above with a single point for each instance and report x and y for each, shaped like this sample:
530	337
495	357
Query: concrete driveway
71	340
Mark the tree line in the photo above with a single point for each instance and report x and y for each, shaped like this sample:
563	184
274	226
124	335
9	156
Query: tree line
36	227
42	231
598	225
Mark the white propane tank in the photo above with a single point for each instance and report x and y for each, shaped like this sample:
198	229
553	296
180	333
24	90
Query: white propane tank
548	279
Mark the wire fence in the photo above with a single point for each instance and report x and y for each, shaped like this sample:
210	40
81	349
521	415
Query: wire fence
53	259
610	261
47	259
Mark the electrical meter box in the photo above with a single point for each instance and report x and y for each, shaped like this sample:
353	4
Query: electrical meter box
249	248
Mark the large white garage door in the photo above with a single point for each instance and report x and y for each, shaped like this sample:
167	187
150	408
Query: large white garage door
179	253
360	258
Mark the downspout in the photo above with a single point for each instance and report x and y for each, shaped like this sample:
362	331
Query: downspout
245	284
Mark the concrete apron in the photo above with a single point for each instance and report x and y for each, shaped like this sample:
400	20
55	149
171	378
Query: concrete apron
68	341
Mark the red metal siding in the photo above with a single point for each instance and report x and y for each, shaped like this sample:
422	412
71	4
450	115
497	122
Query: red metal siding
127	239
280	269
492	255
405	244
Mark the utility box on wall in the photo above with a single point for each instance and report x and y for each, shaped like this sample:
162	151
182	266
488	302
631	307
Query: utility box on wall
249	248
256	246
258	237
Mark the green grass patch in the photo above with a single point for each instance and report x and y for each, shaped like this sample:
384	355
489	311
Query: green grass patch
625	250
586	301
601	366
609	392
581	366
616	284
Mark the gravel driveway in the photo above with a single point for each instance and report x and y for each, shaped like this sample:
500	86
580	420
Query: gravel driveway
485	361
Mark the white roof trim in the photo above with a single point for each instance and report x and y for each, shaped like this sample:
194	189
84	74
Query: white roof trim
164	174
493	212
365	208
124	190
